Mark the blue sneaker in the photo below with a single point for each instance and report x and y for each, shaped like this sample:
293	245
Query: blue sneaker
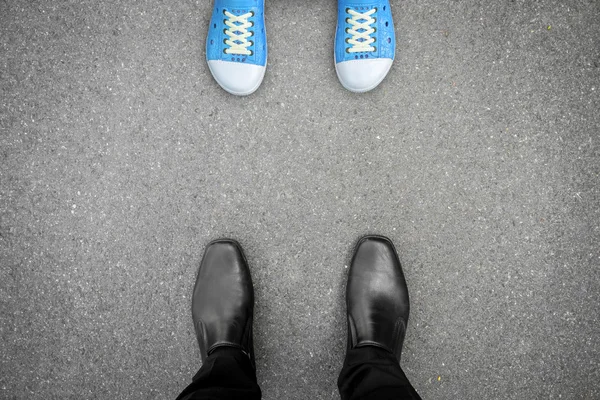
236	46
365	43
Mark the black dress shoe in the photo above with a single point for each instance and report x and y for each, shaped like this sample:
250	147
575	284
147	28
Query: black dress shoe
223	300
376	297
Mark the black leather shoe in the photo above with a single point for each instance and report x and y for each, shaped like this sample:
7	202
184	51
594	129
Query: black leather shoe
376	297
223	300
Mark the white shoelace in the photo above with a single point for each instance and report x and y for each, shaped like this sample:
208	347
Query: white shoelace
361	30
238	33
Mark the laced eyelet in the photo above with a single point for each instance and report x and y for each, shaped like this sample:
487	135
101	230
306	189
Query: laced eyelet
237	32
361	29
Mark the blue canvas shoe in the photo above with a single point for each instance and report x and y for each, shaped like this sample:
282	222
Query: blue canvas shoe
236	46
365	43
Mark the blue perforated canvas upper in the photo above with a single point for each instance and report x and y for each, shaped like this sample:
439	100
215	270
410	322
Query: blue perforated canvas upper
385	41
215	43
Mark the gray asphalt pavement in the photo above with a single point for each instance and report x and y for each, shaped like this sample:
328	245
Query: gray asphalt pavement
121	159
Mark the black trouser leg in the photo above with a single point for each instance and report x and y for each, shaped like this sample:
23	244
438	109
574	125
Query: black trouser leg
226	374
371	373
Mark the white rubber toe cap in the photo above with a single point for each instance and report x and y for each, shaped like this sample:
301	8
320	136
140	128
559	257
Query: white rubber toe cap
363	75
237	78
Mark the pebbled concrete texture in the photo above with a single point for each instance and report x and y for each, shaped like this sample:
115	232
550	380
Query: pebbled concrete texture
121	158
